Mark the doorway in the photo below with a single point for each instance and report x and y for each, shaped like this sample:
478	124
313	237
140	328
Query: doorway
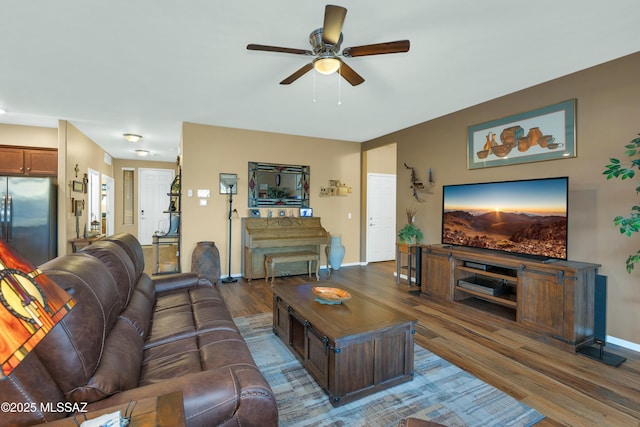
108	203
93	202
154	186
381	217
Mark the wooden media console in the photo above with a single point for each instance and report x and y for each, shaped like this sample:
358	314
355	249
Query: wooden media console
554	298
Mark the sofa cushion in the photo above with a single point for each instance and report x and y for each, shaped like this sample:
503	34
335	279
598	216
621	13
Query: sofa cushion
119	367
133	248
138	313
186	313
206	351
119	264
30	383
72	350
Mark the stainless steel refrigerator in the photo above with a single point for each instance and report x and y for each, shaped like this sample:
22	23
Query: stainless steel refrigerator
28	217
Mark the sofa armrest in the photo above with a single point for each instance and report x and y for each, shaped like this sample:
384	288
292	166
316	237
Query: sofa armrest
212	397
171	282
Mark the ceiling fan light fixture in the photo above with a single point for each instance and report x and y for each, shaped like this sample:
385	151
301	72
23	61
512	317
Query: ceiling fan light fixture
326	65
132	137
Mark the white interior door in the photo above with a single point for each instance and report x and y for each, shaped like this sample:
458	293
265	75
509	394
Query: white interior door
154	186
93	199
108	199
381	217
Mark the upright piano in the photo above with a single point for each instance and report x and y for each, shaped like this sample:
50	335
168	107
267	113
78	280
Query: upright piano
262	236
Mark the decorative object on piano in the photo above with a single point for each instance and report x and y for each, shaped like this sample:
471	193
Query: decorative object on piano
335	188
282	212
335	251
254	213
226	188
278	185
417	186
230	182
205	260
410	234
325	295
31	304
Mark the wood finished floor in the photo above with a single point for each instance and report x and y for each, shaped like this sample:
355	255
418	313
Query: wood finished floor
568	389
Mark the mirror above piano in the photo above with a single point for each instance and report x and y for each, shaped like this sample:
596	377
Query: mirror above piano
278	185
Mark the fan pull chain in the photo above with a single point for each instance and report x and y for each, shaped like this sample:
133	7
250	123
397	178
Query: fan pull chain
314	86
339	85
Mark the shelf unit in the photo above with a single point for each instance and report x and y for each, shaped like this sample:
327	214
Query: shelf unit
172	237
506	280
551	299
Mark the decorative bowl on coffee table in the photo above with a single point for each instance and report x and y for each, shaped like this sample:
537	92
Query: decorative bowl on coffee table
326	295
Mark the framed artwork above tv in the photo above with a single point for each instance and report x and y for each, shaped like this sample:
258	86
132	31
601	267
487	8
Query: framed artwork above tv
543	134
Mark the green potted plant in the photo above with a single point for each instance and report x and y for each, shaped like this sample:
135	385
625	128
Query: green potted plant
410	234
616	169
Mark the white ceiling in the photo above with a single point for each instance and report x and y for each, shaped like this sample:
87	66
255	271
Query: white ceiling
146	66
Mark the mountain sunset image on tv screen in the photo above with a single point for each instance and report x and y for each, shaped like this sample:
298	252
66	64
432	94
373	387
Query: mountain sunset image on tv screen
525	217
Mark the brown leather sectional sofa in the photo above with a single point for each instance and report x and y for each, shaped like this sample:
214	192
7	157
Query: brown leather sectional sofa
131	337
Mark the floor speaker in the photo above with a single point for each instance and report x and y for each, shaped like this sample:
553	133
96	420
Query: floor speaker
596	351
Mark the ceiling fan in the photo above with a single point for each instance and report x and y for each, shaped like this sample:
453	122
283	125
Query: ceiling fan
326	43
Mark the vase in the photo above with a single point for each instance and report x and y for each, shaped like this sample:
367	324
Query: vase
205	261
335	251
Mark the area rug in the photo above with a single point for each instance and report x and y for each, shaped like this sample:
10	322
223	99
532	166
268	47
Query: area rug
440	392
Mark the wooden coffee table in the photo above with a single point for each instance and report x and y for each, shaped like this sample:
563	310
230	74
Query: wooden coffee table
352	349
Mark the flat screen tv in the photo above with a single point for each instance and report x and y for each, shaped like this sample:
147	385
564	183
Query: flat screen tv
527	217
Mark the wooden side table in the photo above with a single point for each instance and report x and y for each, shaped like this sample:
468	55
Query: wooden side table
412	253
77	244
161	411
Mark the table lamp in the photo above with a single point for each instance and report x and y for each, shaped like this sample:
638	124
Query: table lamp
31	304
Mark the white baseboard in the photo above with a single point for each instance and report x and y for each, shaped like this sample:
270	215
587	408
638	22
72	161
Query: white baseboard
404	277
623	343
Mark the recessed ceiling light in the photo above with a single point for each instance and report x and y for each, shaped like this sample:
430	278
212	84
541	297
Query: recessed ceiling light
132	137
143	153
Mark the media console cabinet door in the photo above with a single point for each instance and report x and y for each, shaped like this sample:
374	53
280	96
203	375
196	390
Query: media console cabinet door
436	274
541	302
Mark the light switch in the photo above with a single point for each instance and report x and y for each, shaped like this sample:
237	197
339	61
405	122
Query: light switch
204	193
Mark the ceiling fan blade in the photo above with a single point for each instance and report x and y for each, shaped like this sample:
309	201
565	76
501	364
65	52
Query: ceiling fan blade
350	75
278	49
295	76
333	20
377	49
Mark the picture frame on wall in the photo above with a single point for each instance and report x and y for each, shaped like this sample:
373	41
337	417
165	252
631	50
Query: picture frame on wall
546	133
77	186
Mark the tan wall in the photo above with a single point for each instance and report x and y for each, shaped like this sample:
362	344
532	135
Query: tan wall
118	166
608	109
382	159
28	136
209	151
86	154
